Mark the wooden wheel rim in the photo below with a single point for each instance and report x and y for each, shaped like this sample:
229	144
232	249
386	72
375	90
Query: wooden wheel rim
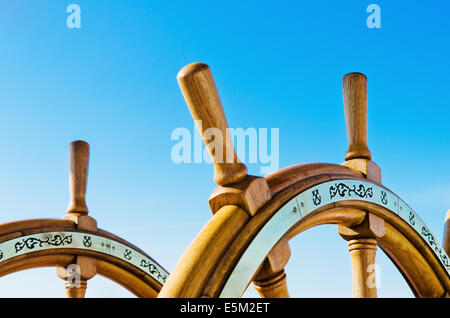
410	246
293	219
39	243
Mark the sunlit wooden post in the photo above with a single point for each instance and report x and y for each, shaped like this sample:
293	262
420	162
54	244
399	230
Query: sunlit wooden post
270	280
78	212
362	253
235	187
362	240
199	91
362	245
446	241
358	156
355	106
79	166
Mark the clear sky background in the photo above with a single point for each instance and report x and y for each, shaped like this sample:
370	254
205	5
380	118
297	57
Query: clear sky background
277	64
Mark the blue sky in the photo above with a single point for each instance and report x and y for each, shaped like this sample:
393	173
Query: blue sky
276	64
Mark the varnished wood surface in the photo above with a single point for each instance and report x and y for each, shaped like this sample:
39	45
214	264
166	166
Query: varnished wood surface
270	279
135	280
76	290
10	230
284	178
199	260
200	92
332	214
417	265
446	240
349	213
123	274
408	251
274	286
362	254
371	227
238	245
250	194
79	165
368	168
140	285
354	86
87	265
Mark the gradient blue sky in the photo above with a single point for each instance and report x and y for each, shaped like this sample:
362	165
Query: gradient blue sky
277	64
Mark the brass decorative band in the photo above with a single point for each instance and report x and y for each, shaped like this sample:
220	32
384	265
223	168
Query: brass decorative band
85	241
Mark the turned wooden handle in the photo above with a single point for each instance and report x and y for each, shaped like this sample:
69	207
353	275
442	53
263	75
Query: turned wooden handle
79	163
355	108
200	92
446	242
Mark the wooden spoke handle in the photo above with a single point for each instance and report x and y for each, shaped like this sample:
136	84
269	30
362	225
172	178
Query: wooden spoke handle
355	108
446	243
79	163
200	92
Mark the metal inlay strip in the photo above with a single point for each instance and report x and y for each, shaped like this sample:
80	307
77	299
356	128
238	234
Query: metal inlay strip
55	240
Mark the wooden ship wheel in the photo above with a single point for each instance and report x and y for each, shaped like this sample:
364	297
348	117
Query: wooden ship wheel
247	239
76	246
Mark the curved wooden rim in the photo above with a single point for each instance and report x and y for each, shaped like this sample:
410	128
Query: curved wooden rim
409	252
132	278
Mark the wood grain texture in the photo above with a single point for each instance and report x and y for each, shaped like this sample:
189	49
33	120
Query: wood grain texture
407	249
367	167
274	286
372	226
135	280
79	163
362	245
362	253
249	194
140	285
87	265
229	260
270	279
355	109
10	230
87	268
279	255
446	240
199	260
415	261
332	214
286	177
123	273
200	92
76	290
77	212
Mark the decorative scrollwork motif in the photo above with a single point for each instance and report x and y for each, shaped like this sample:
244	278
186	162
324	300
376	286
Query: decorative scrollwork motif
433	244
31	242
317	199
87	241
383	197
342	190
152	269
411	218
127	254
